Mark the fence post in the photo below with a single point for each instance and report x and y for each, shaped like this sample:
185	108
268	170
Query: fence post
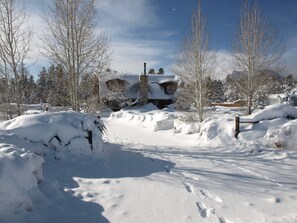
90	138
236	126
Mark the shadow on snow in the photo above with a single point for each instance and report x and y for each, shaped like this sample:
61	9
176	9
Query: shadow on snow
63	206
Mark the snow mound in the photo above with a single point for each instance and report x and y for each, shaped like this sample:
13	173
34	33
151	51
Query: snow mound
186	127
283	137
150	117
165	122
77	132
25	139
156	120
272	112
33	111
220	129
20	174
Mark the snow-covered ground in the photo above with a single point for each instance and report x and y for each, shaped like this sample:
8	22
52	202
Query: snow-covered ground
153	167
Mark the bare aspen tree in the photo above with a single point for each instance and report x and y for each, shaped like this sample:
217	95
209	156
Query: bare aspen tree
14	47
256	49
195	63
74	42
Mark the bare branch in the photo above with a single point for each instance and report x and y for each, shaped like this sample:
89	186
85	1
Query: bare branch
72	42
256	49
14	43
194	63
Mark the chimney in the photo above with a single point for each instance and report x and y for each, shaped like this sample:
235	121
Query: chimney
143	84
144	69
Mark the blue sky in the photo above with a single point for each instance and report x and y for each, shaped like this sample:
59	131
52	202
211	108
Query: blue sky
152	30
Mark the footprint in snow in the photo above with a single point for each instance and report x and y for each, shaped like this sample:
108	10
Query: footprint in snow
203	210
87	194
106	182
207	194
224	220
113	206
274	200
167	169
189	187
189	177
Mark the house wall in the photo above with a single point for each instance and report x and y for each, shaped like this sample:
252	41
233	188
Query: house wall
160	103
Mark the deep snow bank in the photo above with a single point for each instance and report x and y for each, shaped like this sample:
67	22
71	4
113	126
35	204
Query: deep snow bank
277	124
76	132
275	128
272	112
20	172
25	139
283	137
148	117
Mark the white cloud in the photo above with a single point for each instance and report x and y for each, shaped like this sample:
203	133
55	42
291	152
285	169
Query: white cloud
38	26
224	65
123	20
129	56
120	16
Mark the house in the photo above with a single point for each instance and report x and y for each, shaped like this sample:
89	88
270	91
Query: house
119	90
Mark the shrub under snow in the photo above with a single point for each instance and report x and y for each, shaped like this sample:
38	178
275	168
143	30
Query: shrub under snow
283	137
25	138
284	134
59	130
272	112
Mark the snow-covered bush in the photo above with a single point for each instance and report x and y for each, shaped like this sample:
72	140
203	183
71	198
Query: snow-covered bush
283	137
272	112
72	131
26	138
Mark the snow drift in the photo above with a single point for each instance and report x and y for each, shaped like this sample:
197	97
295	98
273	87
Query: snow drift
276	127
278	124
272	112
24	141
148	116
20	174
283	137
76	132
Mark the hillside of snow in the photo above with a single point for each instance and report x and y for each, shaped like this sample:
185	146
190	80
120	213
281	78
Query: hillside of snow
152	166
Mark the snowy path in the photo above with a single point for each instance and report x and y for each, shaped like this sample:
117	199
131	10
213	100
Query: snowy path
163	177
186	183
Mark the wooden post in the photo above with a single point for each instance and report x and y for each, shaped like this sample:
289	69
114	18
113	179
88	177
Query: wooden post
236	126
90	139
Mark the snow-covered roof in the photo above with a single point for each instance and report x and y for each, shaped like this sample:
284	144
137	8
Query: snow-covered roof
155	81
131	78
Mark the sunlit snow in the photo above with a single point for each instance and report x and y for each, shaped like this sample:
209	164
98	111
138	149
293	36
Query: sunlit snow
152	166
